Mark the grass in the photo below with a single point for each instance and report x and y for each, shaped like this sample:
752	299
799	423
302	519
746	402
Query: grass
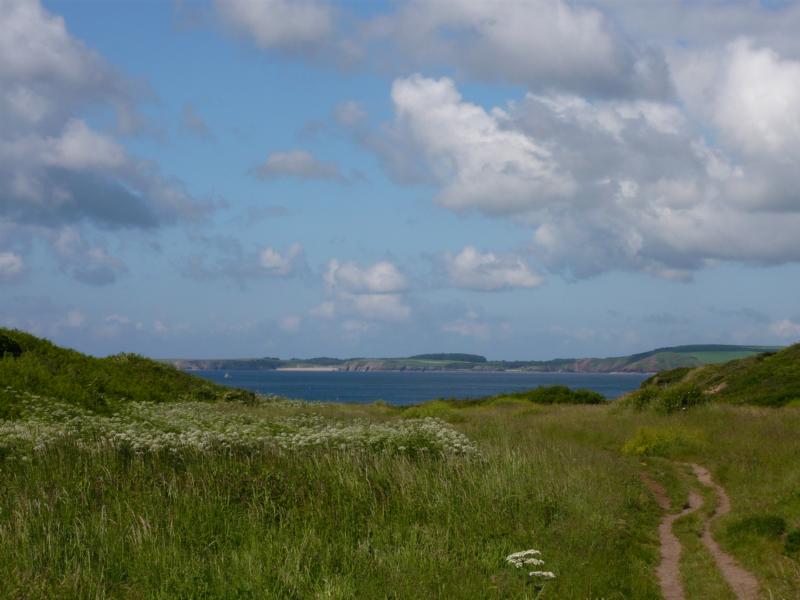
96	384
768	379
322	523
718	357
271	498
318	522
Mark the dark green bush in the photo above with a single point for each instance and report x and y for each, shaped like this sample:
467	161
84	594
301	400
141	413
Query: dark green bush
9	346
641	398
558	394
669	399
769	526
680	397
792	544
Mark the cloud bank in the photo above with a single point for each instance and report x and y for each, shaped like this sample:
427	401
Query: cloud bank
57	171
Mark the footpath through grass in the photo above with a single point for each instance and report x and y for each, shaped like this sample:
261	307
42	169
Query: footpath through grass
318	521
751	451
120	493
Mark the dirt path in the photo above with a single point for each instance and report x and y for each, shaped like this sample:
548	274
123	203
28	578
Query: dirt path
668	572
742	582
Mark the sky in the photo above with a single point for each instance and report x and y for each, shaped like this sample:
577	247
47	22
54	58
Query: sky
296	178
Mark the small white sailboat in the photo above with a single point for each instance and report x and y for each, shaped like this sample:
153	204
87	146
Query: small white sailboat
227	375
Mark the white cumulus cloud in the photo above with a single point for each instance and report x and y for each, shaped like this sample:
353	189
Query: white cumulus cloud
64	171
786	329
543	44
276	263
374	292
291	25
749	93
299	164
379	278
479	161
471	269
605	184
381	307
11	265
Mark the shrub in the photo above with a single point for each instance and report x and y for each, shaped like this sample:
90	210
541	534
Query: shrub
792	544
641	398
435	408
680	397
676	397
559	394
9	346
663	441
769	526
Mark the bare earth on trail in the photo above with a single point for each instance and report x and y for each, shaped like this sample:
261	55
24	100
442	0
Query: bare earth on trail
669	575
742	582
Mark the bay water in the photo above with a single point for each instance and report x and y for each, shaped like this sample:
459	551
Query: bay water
413	387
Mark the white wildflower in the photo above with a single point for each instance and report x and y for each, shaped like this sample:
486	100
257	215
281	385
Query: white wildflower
527	558
148	428
542	574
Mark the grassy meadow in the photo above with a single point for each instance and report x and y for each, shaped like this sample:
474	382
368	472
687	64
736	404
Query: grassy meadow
233	496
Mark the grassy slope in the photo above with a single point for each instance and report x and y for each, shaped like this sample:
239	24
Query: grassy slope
98	384
751	451
771	379
339	525
77	522
342	526
330	525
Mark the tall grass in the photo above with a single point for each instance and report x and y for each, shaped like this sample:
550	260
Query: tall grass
255	520
328	524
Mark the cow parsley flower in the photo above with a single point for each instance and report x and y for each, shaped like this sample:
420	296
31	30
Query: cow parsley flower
146	428
527	558
542	574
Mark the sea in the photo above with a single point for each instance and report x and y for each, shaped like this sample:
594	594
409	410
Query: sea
413	387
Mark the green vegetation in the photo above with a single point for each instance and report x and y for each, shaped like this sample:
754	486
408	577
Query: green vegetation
136	496
97	384
768	526
792	545
451	357
664	441
449	408
646	362
9	345
554	394
768	379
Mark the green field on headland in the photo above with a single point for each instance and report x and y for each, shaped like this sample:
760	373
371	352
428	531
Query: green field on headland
125	478
660	359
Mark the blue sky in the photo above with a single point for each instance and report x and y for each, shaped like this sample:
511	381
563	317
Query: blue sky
517	179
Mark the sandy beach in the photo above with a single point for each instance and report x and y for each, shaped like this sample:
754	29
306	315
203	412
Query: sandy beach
310	369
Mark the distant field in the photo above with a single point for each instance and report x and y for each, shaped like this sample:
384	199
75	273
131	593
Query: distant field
718	357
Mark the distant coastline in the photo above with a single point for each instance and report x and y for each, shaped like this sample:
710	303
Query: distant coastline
653	361
307	369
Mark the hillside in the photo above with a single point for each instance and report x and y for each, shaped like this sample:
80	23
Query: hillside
106	496
660	359
768	379
35	366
